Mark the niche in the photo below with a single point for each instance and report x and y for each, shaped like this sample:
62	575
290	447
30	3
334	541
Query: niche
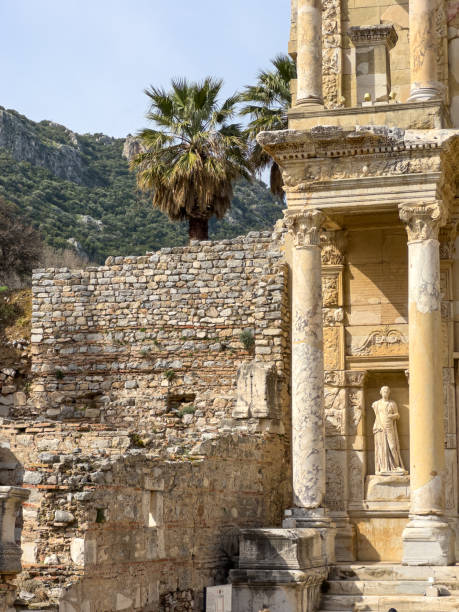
155	510
398	384
175	402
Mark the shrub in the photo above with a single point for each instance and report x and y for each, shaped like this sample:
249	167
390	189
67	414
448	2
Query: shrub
187	410
247	340
170	375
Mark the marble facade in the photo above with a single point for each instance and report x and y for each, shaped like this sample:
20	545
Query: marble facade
369	234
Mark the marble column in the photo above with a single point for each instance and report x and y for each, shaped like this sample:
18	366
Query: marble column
309	52
424	43
308	434
427	539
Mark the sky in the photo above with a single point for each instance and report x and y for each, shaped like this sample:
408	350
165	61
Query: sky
85	63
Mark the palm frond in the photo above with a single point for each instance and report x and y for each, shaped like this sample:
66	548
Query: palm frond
194	153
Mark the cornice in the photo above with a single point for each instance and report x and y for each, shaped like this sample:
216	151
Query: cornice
332	142
373	35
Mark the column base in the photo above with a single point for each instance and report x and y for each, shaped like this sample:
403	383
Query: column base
424	94
277	590
428	540
317	519
312	103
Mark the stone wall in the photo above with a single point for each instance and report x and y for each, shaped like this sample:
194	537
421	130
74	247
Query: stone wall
154	343
152	430
112	527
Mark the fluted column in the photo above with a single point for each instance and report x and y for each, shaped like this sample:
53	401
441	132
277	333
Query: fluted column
423	51
427	538
308	435
309	52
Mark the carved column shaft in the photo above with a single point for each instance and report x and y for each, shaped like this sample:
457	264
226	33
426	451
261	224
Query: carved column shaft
427	453
308	433
423	51
309	52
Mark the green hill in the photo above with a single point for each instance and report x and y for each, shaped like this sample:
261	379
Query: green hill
78	191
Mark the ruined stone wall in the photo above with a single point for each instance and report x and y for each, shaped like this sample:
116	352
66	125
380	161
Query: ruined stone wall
154	343
111	527
151	431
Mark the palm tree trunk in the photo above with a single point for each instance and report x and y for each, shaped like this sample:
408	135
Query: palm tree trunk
198	228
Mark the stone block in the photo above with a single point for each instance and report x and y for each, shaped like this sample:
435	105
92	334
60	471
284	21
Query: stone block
62	516
29	552
428	541
256	391
77	551
393	487
277	590
280	548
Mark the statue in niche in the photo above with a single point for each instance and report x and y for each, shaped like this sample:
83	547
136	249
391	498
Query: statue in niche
387	446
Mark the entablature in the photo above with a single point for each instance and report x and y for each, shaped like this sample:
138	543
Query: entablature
374	169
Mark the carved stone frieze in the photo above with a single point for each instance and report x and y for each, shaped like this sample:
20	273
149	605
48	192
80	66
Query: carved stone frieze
355	408
332	347
335	411
332	153
331	52
367	165
447	237
345	378
305	227
355	378
356	477
335	378
374	34
334	497
333	244
330	290
333	316
422	220
382	341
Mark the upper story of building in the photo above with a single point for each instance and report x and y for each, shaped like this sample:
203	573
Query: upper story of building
383	62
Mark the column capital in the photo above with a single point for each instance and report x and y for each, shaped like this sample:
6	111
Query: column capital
305	227
422	220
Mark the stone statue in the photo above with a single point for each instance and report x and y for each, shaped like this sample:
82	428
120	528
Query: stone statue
387	447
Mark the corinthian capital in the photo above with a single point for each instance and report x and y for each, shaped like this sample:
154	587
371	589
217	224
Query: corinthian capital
305	227
422	220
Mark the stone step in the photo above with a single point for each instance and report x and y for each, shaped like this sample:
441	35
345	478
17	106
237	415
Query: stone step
376	587
402	603
388	571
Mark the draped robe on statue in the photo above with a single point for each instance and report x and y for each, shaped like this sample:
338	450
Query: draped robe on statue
387	446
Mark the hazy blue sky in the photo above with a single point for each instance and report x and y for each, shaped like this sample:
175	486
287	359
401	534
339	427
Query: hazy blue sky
85	63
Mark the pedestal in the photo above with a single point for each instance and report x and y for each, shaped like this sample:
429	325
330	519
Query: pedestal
281	569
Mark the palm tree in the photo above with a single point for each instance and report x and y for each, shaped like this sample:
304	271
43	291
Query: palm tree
192	157
267	103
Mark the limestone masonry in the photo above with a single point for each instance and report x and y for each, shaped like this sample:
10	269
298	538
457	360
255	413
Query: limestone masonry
268	422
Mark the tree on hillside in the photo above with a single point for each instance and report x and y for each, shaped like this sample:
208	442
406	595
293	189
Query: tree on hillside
267	103
20	244
194	153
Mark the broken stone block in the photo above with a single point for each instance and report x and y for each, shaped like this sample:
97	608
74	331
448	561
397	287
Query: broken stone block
256	391
62	516
33	478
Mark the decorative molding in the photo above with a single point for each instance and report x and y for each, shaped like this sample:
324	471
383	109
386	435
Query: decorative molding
379	341
422	220
333	244
374	35
305	227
